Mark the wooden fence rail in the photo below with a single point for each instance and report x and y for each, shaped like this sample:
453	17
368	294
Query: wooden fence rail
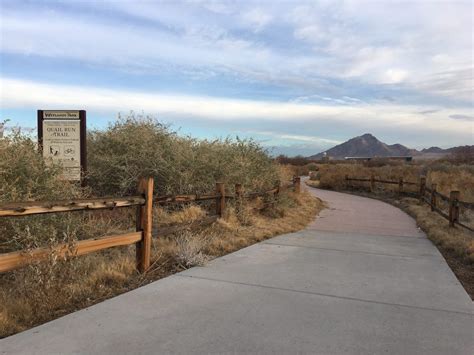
142	237
38	207
14	260
453	200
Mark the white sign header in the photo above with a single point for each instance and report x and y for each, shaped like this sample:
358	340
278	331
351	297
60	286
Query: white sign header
61	115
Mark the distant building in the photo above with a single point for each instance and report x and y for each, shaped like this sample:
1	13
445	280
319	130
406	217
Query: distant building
405	158
358	158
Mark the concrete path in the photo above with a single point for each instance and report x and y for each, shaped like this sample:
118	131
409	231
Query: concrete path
362	279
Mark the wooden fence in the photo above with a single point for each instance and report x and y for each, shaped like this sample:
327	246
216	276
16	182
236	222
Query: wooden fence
142	237
425	194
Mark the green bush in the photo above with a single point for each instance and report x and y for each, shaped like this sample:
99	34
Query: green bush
137	146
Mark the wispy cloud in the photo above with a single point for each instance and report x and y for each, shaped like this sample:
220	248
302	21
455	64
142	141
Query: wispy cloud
345	100
58	96
427	112
293	137
462	117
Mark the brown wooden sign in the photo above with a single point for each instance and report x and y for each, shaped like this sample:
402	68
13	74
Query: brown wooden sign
62	138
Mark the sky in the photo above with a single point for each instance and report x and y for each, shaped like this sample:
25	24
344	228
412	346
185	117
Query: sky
297	76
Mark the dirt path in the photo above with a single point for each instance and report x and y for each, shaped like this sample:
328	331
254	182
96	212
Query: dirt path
362	279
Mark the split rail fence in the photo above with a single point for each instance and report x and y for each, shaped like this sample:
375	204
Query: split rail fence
426	194
142	237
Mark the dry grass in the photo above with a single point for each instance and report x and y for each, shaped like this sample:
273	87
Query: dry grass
234	235
456	244
45	291
454	240
187	214
447	176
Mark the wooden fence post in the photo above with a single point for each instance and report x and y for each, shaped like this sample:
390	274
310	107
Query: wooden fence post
433	197
297	184
220	201
238	196
145	224
422	188
372	183
400	186
453	207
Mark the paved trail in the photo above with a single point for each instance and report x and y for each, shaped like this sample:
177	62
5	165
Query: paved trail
361	279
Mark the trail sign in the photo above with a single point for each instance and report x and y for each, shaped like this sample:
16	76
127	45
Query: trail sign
62	138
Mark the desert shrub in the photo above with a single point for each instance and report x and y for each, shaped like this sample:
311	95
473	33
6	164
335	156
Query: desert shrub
296	161
286	172
301	170
190	248
135	146
312	167
25	175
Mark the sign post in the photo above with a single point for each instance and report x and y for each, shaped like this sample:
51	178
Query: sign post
62	138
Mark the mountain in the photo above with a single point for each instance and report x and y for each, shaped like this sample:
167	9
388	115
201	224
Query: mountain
436	150
366	146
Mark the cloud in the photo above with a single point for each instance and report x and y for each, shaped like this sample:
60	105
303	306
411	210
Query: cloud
257	19
345	100
462	117
109	44
453	83
394	76
419	46
397	43
315	140
290	143
427	112
21	94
